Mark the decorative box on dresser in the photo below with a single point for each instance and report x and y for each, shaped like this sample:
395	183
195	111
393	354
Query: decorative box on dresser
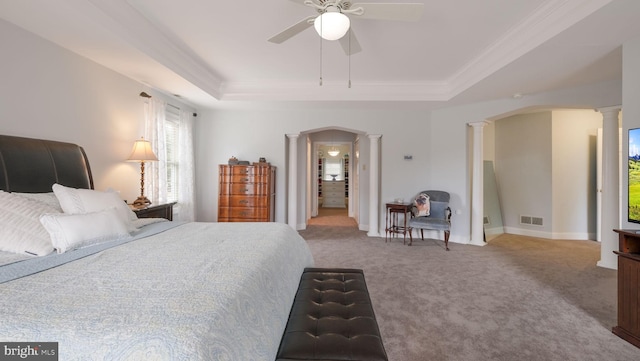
247	193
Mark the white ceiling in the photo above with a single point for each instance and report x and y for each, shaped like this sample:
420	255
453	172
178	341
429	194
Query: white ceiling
215	53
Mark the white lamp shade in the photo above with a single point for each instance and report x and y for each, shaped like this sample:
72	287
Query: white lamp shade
332	25
142	152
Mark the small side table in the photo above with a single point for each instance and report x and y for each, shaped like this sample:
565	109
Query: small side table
392	227
156	211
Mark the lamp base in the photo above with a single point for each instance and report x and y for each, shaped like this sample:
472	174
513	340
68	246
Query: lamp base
141	201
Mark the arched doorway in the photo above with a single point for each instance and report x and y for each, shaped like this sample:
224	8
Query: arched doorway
363	190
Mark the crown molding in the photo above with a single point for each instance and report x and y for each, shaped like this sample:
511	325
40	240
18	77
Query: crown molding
549	20
129	23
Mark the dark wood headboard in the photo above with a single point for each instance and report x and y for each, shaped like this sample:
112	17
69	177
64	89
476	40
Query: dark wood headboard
33	165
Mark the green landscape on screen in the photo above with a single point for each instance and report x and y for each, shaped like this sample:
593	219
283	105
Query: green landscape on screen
634	175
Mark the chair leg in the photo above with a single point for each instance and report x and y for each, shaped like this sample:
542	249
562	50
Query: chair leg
422	234
446	240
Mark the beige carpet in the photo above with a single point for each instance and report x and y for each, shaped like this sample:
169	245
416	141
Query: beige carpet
518	298
336	217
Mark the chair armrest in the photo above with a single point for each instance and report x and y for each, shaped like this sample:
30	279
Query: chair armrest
414	211
447	214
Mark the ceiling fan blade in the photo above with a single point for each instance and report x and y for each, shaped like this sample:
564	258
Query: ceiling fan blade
301	2
352	48
294	29
389	11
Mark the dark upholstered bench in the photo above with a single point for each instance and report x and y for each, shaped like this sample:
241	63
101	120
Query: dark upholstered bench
332	319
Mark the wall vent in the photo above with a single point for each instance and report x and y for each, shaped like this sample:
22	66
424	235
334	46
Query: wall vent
534	221
486	220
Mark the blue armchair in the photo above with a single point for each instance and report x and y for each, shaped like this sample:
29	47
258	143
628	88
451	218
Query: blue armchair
439	217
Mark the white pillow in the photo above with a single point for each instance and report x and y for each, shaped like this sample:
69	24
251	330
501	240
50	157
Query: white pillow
71	231
78	201
21	231
46	198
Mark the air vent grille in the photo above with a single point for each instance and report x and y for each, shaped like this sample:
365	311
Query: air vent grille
534	221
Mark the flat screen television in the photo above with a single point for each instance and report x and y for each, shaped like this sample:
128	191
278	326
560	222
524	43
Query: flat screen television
634	176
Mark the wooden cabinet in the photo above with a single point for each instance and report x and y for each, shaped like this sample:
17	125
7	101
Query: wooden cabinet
246	193
333	194
628	327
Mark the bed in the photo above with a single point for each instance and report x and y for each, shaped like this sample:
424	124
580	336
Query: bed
164	291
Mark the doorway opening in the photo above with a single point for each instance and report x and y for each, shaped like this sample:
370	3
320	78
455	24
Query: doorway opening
333	183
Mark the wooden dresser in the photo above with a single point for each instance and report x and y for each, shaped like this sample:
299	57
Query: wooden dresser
333	194
246	193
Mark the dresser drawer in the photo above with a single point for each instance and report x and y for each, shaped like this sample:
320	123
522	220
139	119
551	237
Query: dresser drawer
243	178
257	213
333	194
244	201
247	189
333	202
330	186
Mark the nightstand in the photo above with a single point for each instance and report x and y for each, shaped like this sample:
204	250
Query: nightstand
156	211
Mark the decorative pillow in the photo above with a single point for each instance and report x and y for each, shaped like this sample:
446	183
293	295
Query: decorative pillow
423	205
78	201
21	231
46	198
71	231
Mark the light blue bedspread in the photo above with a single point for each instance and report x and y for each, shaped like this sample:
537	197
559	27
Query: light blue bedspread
199	291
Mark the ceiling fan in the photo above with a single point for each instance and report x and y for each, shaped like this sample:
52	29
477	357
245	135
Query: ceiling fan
333	20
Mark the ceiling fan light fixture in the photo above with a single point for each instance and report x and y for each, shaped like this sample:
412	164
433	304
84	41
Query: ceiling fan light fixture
332	25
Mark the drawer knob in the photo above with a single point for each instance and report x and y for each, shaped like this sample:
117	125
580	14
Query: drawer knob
244	190
244	201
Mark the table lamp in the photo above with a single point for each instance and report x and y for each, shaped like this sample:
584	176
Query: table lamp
142	152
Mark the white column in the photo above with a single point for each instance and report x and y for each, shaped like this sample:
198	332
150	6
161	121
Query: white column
610	186
292	209
374	185
477	188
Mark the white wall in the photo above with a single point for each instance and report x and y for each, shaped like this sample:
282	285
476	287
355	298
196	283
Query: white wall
524	171
546	168
574	136
48	92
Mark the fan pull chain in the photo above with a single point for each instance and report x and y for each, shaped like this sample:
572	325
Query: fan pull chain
349	58
320	52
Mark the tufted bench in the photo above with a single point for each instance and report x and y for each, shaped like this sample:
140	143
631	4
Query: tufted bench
332	319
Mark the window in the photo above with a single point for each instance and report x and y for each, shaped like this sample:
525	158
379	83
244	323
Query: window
333	168
172	139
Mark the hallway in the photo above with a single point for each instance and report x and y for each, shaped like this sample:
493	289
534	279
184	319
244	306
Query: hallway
336	217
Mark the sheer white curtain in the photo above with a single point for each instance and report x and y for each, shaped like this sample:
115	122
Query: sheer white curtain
186	183
156	173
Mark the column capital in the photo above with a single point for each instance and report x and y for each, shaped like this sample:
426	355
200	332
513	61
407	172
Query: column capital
293	136
374	136
610	109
